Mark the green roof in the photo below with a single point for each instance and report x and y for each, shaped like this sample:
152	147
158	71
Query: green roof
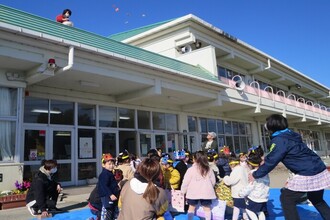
32	22
127	34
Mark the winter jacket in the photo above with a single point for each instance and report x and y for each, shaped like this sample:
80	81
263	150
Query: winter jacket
107	184
171	178
196	186
134	206
237	179
224	168
43	188
258	190
287	147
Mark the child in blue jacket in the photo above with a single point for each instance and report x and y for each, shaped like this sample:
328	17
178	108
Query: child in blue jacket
108	188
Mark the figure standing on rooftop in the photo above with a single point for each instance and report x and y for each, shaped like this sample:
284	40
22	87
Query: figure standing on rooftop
64	18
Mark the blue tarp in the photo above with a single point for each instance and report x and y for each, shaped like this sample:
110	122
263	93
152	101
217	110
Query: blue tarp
306	212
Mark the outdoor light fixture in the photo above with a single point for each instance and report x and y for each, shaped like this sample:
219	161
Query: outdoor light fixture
51	63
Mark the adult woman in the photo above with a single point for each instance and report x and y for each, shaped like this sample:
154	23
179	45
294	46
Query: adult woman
198	185
140	198
310	173
42	196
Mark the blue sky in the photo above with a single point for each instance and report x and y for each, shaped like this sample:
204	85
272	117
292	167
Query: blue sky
295	32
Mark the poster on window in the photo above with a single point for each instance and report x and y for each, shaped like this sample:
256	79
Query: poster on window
85	147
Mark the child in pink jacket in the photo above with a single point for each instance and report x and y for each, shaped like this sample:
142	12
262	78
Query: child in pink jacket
198	185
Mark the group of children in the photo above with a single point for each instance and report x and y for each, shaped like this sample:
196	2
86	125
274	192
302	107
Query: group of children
248	198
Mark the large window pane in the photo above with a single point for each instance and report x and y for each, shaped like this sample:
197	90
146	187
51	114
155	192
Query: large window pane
171	122
192	123
228	127
61	112
235	128
62	145
86	143
108	116
220	126
86	171
8	106
7	140
143	119
34	144
64	172
86	115
126	118
36	110
241	128
203	125
158	120
211	125
127	141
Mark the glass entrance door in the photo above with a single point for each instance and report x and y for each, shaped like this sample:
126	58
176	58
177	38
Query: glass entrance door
109	143
145	144
62	150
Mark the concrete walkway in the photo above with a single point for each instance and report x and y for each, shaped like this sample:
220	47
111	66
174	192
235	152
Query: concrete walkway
75	198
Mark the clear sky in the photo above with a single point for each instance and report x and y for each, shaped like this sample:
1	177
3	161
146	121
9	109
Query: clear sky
295	32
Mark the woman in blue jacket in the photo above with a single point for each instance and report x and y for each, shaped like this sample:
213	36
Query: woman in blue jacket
310	173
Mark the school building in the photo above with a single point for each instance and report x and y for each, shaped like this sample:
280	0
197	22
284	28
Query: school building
71	95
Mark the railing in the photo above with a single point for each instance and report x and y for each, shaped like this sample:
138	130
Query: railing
280	96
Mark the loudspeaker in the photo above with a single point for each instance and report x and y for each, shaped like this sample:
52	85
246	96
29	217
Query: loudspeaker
239	85
186	49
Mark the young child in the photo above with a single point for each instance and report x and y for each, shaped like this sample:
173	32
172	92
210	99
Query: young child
257	192
108	188
171	175
237	179
125	166
198	185
212	156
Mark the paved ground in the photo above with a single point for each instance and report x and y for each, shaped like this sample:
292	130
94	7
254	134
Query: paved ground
75	197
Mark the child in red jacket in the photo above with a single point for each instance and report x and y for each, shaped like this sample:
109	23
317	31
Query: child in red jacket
64	18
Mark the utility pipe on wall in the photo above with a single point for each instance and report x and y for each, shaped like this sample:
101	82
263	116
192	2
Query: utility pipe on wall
70	61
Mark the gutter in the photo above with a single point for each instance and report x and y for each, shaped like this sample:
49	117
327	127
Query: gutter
70	61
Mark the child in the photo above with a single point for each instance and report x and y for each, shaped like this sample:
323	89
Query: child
140	198
108	188
212	156
171	175
179	164
222	163
198	185
237	179
257	192
125	166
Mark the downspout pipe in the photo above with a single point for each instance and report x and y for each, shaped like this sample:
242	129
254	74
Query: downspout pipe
70	61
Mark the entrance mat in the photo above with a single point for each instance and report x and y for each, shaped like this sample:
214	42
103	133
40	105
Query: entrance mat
306	212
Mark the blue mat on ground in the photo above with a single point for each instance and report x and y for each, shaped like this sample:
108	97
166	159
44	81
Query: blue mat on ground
306	212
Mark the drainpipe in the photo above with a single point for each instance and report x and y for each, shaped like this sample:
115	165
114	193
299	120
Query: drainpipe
70	61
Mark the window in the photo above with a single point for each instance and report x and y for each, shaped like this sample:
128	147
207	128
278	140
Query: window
143	119
158	120
8	120
36	110
86	144
171	122
61	112
107	116
126	118
86	114
192	123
